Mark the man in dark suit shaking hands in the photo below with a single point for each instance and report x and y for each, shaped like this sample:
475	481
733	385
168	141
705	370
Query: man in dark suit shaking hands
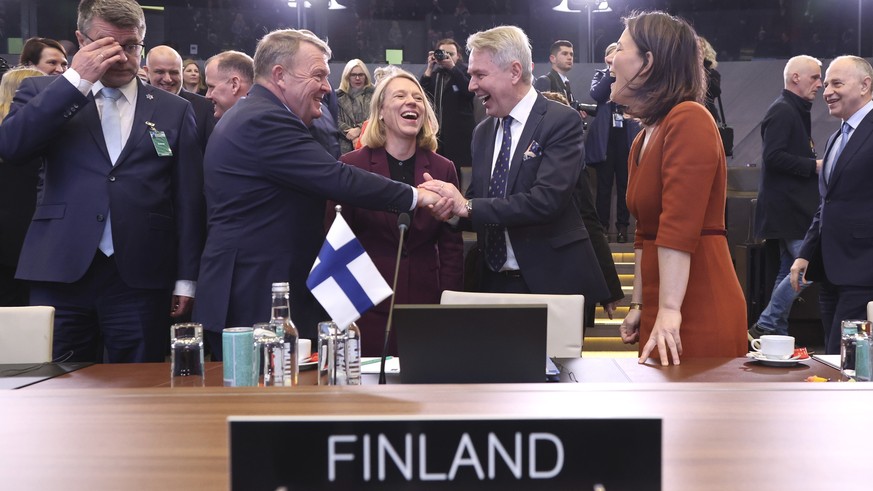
526	162
838	248
119	222
266	184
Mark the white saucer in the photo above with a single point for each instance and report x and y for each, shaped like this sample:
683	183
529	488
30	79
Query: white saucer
756	356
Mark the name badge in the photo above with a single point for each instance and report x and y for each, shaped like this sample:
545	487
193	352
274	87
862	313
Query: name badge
159	140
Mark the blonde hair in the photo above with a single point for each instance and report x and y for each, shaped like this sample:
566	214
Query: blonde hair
11	81
506	44
708	51
374	135
344	83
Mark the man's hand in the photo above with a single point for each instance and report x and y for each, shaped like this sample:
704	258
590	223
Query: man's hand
431	64
181	306
819	164
610	309
93	59
439	206
798	273
446	190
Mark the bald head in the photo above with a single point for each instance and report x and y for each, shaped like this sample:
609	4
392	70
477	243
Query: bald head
164	68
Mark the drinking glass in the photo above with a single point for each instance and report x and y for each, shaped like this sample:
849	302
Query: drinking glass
186	355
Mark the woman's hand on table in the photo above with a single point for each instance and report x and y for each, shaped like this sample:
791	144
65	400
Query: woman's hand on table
665	336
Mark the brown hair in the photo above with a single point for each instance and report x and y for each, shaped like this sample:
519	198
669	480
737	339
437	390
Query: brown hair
454	43
676	74
31	52
557	45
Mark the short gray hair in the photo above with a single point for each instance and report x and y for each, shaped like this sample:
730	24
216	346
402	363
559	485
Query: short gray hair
861	65
794	64
280	46
119	13
506	44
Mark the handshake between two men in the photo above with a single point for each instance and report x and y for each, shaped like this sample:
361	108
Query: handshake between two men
443	199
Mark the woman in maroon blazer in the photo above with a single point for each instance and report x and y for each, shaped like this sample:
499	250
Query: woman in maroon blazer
399	143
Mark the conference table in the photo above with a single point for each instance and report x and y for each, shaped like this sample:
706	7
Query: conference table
727	424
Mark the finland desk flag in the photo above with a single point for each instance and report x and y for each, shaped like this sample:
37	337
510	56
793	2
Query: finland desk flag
344	279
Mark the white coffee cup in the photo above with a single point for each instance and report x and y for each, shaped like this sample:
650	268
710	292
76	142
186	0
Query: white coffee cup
304	349
774	347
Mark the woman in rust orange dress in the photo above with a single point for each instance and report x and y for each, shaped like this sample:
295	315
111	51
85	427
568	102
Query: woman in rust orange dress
687	301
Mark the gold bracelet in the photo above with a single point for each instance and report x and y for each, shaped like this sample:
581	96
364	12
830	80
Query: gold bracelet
636	306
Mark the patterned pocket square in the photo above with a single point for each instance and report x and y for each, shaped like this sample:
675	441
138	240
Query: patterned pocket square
533	150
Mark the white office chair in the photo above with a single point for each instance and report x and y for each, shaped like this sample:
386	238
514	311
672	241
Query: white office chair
26	334
564	322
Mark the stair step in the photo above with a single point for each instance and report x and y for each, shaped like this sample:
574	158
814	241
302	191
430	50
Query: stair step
607	344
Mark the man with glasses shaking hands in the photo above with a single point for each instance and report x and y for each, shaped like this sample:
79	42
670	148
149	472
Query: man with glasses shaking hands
115	241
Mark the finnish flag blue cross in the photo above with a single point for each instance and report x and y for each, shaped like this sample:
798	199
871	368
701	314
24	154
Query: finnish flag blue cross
344	279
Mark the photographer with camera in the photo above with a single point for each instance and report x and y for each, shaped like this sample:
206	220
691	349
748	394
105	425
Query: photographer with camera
446	83
606	149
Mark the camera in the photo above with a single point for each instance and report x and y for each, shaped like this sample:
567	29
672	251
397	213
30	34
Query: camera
590	109
440	55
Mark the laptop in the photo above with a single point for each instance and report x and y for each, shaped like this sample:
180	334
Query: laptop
471	344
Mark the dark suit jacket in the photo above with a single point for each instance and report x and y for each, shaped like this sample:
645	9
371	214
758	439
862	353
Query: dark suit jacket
18	185
788	190
547	234
156	202
551	82
266	183
839	243
204	115
597	138
449	91
585	204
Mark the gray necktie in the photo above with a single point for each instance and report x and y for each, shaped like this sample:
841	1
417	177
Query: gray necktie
110	120
844	137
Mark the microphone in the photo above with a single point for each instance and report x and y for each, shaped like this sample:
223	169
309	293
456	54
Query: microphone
403	225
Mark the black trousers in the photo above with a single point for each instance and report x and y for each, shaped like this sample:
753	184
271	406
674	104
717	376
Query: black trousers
839	303
100	311
613	170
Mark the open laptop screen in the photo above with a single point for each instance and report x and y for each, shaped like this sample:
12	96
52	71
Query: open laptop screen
450	344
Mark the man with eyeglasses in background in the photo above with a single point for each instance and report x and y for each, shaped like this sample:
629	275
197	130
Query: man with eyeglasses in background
116	238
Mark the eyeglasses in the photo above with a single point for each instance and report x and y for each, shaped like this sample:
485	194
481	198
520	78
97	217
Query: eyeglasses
133	49
357	75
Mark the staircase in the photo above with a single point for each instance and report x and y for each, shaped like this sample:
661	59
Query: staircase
604	337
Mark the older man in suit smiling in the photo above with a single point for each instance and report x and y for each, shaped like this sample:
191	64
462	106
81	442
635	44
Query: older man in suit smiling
526	162
838	248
